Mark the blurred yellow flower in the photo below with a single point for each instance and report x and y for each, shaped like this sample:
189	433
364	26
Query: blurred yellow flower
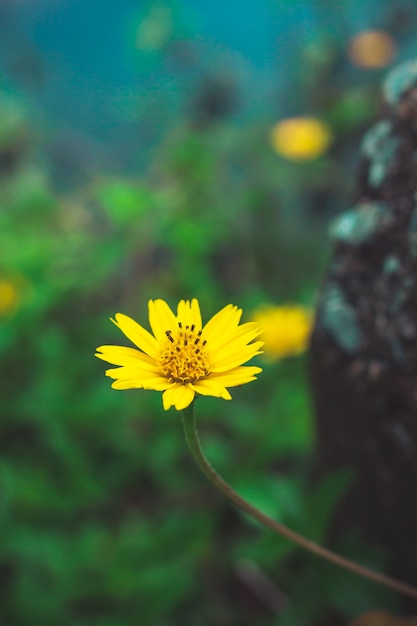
8	297
184	358
300	138
285	329
371	49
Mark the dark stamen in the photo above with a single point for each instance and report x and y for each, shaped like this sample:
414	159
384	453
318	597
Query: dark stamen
197	351
185	342
168	334
180	324
192	326
204	342
187	327
196	341
178	349
200	332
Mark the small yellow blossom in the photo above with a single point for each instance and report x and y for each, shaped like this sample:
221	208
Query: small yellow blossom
285	329
8	297
371	49
300	138
182	357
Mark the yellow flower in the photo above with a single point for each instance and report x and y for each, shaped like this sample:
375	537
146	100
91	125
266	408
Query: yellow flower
300	138
285	329
184	358
8	297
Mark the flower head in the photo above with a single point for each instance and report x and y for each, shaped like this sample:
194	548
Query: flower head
285	329
300	138
182	357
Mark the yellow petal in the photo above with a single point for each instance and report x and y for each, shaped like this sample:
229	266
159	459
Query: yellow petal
225	321
161	319
235	377
223	363
196	314
133	373
125	384
240	336
137	334
179	396
159	383
155	384
120	355
209	387
232	348
189	313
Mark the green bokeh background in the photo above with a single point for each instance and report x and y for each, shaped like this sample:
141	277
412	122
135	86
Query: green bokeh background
105	521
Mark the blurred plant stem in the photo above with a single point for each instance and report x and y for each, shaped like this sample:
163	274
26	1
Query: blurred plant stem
193	441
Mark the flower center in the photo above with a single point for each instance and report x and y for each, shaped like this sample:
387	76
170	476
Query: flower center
183	357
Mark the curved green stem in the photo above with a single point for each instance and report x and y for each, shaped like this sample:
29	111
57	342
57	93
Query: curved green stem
191	436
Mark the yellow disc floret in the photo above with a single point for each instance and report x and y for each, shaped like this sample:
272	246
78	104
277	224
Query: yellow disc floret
183	358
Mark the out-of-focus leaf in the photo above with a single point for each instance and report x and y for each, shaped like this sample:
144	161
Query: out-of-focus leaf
124	201
278	497
323	500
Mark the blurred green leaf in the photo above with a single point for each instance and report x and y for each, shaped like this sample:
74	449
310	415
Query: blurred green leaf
124	201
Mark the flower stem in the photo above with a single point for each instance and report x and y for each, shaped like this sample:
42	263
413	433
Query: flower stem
191	436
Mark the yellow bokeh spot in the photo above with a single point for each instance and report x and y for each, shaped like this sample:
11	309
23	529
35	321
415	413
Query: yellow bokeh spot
8	297
300	138
285	329
371	49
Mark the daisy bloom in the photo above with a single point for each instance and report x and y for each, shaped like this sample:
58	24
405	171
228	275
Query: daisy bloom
301	138
285	329
182	357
